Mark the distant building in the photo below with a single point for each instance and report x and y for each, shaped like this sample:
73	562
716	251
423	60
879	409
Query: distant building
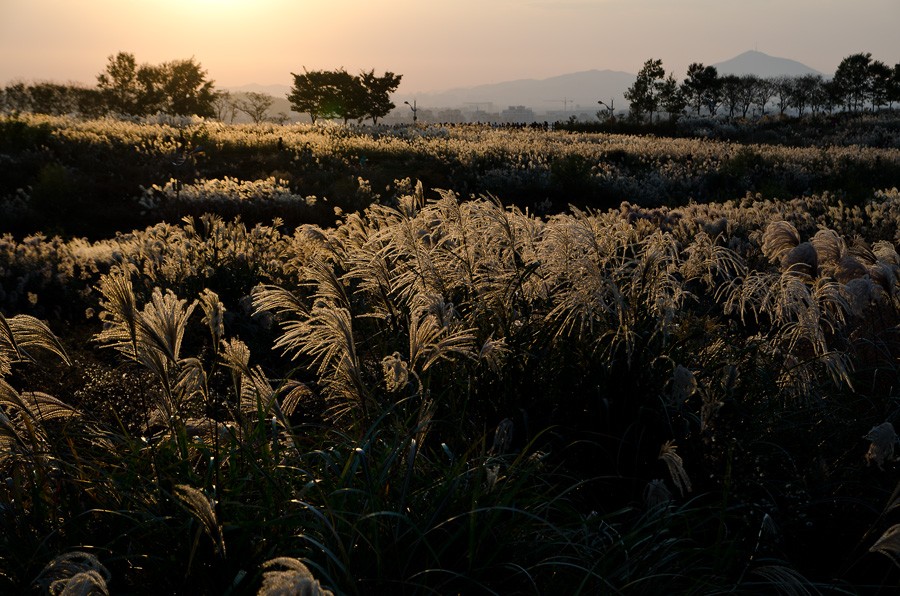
517	115
451	116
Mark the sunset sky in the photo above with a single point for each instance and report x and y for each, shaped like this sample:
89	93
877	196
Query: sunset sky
435	45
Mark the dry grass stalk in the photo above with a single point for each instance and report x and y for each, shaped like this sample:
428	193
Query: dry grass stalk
502	437
202	509
656	494
673	461
786	581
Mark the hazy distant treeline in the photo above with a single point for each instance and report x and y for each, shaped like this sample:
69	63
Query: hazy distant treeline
859	82
181	88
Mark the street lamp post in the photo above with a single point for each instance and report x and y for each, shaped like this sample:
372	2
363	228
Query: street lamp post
609	106
412	106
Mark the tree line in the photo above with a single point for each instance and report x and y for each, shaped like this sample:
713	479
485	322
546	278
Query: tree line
181	88
858	83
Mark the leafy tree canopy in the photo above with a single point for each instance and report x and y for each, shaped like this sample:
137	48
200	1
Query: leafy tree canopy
178	87
338	94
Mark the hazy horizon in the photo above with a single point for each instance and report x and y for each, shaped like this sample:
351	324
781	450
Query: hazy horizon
436	47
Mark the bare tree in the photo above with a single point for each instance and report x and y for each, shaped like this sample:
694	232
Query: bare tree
765	89
256	105
224	106
783	91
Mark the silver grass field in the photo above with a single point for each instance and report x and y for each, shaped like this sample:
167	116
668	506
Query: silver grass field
418	391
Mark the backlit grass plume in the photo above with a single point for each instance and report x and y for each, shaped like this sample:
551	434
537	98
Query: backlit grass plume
779	238
286	576
74	574
202	509
151	337
20	335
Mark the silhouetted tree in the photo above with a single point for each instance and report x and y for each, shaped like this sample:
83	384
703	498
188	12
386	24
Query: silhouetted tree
311	93
764	90
644	93
804	90
186	91
179	87
671	99
830	96
51	98
851	80
894	89
338	94
783	88
89	101
731	93
377	93
120	85
747	93
702	87
348	100
880	78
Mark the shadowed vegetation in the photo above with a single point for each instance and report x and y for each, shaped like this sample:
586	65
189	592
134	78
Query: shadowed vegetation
436	395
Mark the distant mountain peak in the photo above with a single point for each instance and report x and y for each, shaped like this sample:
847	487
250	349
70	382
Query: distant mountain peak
763	65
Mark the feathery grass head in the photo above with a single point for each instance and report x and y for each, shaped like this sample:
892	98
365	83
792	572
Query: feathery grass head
779	237
885	276
21	333
673	461
202	509
889	544
883	439
862	292
293	579
213	314
860	249
682	385
885	252
73	574
829	246
849	267
396	372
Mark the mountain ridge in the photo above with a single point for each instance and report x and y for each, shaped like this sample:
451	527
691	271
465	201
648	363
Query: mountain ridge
575	92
